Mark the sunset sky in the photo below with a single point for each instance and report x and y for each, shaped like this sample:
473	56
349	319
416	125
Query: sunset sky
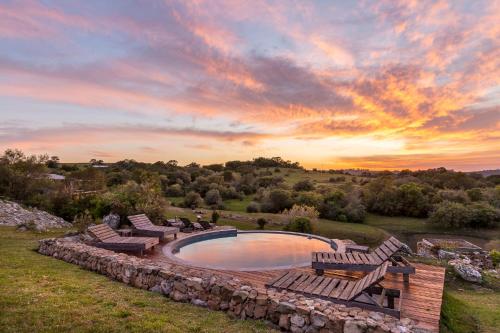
331	84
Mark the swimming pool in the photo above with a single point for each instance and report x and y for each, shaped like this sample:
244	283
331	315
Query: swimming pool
247	250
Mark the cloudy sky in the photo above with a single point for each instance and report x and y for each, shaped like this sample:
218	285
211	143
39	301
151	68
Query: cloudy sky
332	84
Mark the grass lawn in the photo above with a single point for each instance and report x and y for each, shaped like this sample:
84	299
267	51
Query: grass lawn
43	294
237	205
469	308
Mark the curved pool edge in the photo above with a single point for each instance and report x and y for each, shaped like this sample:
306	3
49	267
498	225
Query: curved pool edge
171	248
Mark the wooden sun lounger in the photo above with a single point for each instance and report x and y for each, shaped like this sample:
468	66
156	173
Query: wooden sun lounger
366	293
365	262
109	239
144	227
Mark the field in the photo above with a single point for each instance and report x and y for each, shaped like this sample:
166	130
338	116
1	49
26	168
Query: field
43	294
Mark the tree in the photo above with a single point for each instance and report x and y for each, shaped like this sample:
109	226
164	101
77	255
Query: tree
449	214
276	200
475	194
253	207
483	215
213	197
215	216
412	200
261	222
193	200
53	162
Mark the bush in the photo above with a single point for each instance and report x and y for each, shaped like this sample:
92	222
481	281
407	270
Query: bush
213	197
276	201
174	191
495	257
192	199
300	224
483	215
304	185
215	216
83	221
450	215
475	194
297	211
253	207
261	222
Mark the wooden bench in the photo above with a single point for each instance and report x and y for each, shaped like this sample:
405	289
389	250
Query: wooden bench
366	293
109	239
144	227
365	262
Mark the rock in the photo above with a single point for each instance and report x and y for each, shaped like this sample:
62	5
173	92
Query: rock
199	302
12	214
156	289
284	321
240	296
259	311
297	320
352	326
318	319
447	255
113	220
468	272
285	307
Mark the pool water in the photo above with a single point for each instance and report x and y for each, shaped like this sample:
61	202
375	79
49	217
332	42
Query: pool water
253	251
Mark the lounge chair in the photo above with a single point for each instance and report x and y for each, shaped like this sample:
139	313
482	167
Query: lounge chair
365	262
144	227
206	225
190	226
366	293
109	239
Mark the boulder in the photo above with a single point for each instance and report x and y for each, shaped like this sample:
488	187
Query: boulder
468	272
113	220
447	255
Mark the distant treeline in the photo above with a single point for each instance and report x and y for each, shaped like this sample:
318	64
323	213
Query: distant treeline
450	199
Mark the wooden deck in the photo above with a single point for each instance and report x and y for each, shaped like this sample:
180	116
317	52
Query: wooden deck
421	299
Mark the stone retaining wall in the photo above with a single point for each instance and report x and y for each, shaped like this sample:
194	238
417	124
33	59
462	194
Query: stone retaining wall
289	311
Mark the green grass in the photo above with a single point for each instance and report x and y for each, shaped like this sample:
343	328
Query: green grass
469	308
237	205
42	294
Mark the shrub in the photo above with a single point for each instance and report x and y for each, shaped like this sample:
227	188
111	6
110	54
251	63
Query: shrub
297	211
213	197
261	222
215	216
253	207
495	257
474	194
300	224
193	200
304	185
83	221
483	215
449	214
228	176
174	190
276	201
